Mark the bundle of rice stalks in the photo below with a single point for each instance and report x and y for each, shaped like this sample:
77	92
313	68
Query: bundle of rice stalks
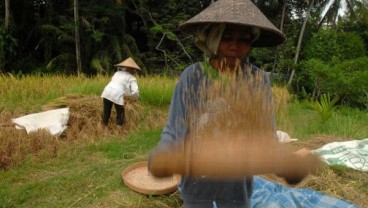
281	98
232	134
83	127
15	145
86	114
133	113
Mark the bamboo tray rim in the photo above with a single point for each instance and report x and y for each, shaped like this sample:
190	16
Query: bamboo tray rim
149	186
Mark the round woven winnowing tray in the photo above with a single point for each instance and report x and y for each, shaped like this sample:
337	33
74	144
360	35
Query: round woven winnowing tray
138	178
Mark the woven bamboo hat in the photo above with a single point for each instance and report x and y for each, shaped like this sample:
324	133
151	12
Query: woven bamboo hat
242	12
129	62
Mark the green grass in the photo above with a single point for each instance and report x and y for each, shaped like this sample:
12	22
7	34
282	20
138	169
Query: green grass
156	90
135	145
303	122
89	175
81	176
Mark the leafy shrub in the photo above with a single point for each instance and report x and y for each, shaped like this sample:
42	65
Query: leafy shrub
325	106
350	82
347	80
328	45
315	73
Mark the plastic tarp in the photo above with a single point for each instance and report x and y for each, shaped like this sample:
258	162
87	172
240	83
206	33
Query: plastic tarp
274	195
352	154
54	121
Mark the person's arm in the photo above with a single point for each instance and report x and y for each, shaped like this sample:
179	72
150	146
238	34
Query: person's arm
174	132
134	90
300	173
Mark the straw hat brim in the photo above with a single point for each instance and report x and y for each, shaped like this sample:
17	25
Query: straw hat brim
129	62
241	12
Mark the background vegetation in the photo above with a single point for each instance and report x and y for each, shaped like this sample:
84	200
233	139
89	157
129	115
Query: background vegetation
325	48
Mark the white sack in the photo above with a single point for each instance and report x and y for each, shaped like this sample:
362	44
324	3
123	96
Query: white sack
353	154
54	121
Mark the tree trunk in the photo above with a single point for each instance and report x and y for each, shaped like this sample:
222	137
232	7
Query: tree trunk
300	41
7	16
77	39
281	29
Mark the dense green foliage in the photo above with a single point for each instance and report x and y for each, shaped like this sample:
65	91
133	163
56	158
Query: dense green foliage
40	37
346	79
328	45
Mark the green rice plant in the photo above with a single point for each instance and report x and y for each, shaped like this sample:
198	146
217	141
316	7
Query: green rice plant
325	106
30	93
156	90
347	122
300	122
281	98
33	91
87	86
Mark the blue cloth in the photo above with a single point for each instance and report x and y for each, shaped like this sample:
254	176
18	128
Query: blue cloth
274	195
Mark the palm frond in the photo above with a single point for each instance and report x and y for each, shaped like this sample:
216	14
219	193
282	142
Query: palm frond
325	106
116	48
60	60
101	62
96	64
53	29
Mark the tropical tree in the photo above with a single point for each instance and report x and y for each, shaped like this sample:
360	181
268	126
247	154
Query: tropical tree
7	15
314	6
357	22
301	34
332	11
77	38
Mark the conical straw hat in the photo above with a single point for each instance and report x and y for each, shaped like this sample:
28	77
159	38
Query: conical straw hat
129	62
242	12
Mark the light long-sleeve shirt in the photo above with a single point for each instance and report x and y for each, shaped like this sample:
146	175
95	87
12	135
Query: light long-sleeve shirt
122	84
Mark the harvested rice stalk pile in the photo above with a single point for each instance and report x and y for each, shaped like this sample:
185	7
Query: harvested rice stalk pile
16	145
83	127
86	114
